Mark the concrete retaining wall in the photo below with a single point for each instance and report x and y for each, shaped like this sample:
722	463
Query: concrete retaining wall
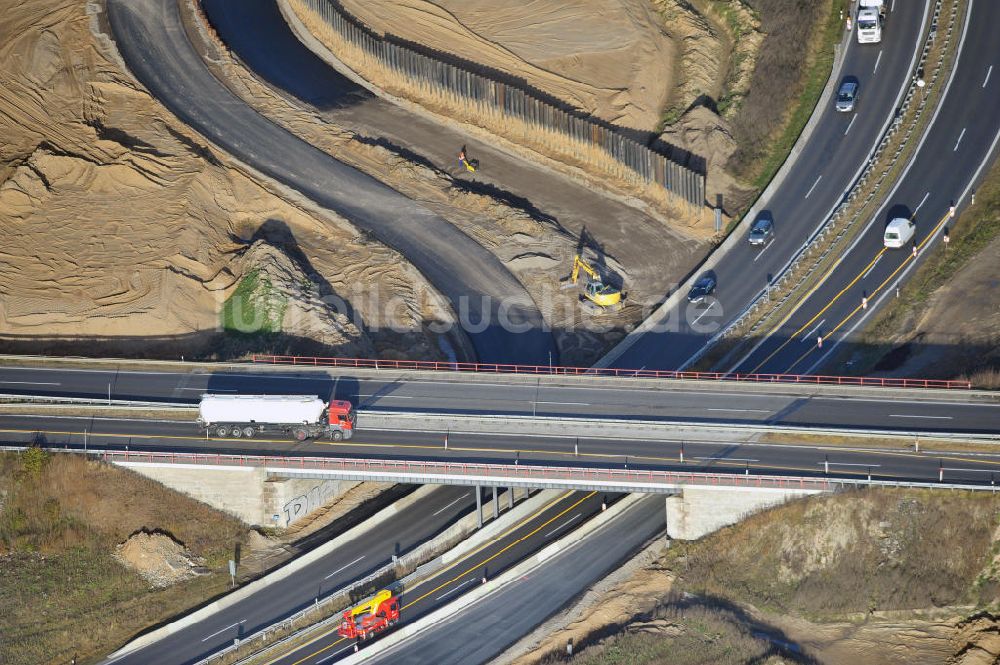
246	492
696	512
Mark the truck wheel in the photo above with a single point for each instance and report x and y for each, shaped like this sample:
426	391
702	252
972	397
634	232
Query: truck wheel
300	434
221	432
237	433
336	435
248	432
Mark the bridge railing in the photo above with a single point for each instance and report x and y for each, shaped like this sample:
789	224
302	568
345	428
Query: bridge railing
556	370
519	474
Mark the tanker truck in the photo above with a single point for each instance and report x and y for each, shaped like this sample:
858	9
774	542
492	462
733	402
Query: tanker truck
301	416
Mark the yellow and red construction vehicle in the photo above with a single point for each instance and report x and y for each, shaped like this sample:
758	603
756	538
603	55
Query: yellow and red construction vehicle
603	296
364	621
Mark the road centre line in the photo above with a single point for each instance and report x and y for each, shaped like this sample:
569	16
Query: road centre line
955	149
707	310
31	383
987	79
848	464
761	252
914	415
224	630
564	524
922	202
448	593
562	403
346	566
808	335
438	512
813	187
877	60
872	266
334	654
850	124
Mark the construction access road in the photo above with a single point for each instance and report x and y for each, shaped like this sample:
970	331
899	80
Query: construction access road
503	322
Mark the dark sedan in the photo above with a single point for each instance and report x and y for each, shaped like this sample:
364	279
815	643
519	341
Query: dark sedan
702	288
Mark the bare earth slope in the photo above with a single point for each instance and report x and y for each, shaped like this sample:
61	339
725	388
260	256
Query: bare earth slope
120	223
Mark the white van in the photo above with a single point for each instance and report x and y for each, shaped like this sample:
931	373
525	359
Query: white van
899	232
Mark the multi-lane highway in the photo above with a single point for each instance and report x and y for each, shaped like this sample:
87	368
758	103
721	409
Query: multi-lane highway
961	141
704	402
553	521
151	37
485	628
828	164
353	560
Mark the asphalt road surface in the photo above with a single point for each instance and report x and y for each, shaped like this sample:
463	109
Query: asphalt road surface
558	518
484	629
962	138
830	162
907	411
397	535
497	313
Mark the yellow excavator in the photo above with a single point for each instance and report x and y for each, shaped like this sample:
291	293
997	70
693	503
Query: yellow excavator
604	296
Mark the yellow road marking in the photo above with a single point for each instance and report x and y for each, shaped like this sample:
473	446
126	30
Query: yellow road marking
875	292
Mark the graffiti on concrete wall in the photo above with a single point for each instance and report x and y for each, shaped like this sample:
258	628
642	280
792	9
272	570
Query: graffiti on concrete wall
304	504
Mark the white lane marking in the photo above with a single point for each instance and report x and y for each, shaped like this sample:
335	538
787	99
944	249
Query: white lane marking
31	383
209	391
959	468
448	593
813	187
847	464
905	415
922	202
740	410
344	567
707	310
987	79
877	60
564	524
955	149
879	258
761	252
335	653
892	5
219	632
850	124
723	458
385	396
564	403
809	335
464	496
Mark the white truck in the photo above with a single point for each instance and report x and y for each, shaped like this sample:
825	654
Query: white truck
871	16
302	416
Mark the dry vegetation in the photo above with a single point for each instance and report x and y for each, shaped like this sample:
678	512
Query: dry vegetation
894	577
61	518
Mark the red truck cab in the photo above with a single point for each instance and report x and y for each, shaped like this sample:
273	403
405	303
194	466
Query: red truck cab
342	417
369	618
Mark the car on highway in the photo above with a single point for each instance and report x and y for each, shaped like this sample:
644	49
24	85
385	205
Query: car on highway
847	95
702	288
898	232
761	232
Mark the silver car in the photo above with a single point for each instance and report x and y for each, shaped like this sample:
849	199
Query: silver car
847	96
761	232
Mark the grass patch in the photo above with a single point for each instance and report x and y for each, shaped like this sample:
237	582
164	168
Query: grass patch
61	517
254	307
861	551
791	73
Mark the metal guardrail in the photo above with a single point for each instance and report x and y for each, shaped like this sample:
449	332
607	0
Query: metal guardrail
555	370
502	474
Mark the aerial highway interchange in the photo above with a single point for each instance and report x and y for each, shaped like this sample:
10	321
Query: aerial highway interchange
959	142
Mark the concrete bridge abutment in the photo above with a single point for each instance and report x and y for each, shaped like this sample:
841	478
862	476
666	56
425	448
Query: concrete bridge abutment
694	512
